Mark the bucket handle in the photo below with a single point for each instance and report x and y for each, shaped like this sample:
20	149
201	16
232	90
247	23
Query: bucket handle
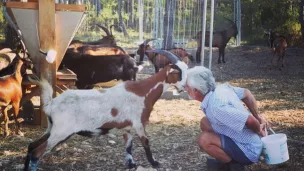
266	132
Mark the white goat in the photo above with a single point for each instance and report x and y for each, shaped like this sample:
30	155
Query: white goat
95	112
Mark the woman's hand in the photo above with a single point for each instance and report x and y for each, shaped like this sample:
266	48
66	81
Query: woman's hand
263	121
262	132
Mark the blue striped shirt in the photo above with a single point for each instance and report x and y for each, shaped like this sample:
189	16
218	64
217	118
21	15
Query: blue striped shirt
227	115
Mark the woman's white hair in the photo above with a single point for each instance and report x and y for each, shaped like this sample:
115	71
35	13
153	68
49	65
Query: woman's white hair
201	78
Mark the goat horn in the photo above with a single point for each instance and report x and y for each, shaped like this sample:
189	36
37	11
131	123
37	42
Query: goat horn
173	58
104	29
113	26
147	41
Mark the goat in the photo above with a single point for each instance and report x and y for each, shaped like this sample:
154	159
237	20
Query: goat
109	39
95	112
11	90
278	44
96	50
95	69
159	60
220	40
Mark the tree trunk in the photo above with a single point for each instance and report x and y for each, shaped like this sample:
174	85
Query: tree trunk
301	18
131	13
121	23
98	7
169	24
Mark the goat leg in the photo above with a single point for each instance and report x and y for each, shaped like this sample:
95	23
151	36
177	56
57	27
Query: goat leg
273	56
129	158
35	150
283	61
198	55
6	120
145	143
219	58
223	55
16	113
156	68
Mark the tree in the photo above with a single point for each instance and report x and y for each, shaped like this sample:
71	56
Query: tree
121	22
169	24
301	17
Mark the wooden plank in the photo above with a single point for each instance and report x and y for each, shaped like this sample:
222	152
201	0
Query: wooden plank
59	90
47	34
28	96
70	7
35	5
23	5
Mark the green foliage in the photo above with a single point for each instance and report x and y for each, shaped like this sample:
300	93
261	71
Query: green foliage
258	16
2	25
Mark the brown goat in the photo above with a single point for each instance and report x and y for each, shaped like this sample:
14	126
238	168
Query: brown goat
220	40
11	92
160	60
279	48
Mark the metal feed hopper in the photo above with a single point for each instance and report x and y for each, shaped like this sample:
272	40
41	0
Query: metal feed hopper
48	27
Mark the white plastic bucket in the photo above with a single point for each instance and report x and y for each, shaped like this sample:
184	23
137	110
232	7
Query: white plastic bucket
275	148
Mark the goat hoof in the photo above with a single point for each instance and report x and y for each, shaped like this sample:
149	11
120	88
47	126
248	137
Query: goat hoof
155	164
131	165
7	133
224	61
20	133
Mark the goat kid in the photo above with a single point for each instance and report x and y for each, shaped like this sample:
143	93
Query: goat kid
11	91
220	40
95	112
160	60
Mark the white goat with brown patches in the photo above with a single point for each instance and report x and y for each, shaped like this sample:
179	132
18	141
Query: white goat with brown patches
93	112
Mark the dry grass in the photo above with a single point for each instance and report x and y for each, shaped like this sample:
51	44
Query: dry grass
175	121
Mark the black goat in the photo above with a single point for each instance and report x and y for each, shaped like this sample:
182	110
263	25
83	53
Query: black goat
220	40
96	50
91	69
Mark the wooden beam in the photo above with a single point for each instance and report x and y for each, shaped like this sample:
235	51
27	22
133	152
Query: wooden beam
35	5
28	96
47	37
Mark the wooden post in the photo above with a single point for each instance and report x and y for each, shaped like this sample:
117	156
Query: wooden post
47	40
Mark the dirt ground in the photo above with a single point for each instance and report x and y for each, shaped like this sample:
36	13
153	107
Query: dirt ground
174	123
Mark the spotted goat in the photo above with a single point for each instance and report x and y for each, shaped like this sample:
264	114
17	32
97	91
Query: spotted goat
95	112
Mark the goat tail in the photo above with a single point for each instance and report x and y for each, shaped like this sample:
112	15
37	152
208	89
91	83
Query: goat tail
46	93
